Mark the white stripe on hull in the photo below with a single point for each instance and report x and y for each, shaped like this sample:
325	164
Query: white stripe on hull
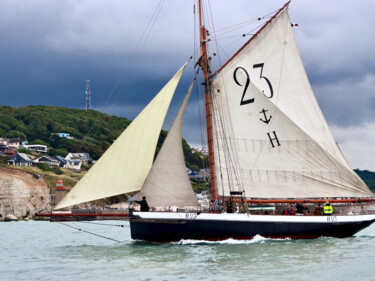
250	218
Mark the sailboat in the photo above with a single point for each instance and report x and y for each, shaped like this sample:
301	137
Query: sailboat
268	143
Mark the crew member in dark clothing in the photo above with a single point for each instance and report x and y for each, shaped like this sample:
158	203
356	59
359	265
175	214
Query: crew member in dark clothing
144	204
302	209
299	208
229	206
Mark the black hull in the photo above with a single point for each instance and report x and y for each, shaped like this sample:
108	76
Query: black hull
158	230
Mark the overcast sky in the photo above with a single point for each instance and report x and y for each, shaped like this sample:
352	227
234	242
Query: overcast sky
129	49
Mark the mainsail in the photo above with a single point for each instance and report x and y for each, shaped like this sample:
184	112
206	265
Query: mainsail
271	139
124	166
168	183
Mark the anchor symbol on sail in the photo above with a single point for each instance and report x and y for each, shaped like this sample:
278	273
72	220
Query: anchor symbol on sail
265	116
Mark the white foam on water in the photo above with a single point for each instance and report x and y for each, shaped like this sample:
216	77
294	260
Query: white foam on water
229	241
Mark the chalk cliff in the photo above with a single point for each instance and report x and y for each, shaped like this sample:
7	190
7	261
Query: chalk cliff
22	194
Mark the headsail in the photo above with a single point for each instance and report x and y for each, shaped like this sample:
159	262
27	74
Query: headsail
168	183
272	138
124	166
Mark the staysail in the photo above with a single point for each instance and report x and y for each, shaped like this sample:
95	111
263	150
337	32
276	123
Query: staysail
124	166
168	184
272	140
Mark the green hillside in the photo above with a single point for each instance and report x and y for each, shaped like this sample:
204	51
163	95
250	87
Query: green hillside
368	177
92	131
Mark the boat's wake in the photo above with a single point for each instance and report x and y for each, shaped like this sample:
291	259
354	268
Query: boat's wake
255	240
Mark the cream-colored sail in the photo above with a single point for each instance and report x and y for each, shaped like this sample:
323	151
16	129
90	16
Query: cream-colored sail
168	184
124	166
272	140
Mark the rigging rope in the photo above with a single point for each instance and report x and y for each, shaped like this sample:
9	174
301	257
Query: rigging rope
131	61
119	225
230	160
89	232
242	24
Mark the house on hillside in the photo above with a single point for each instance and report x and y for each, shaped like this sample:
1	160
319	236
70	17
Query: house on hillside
13	142
83	156
20	159
63	135
74	165
192	175
50	161
39	148
7	151
61	160
203	174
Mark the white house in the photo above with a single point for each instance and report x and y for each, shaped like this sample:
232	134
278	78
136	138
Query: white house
83	156
39	148
74	164
13	142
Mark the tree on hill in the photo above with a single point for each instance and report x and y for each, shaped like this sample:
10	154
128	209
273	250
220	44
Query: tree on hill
15	134
38	141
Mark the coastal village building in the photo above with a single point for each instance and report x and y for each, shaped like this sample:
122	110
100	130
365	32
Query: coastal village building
61	160
203	174
74	164
13	142
39	148
83	156
7	151
20	159
47	160
63	135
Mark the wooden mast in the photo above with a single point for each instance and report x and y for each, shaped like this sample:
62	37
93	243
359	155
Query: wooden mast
203	62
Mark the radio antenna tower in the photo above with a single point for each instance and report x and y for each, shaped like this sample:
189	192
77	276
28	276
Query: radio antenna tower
88	95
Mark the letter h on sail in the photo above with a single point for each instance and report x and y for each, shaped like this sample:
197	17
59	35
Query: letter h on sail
273	139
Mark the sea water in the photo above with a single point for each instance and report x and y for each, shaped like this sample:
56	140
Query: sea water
36	250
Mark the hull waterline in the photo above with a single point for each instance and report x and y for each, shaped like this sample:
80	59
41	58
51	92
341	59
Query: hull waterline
166	227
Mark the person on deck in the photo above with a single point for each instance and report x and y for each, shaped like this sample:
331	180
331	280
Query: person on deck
144	204
302	209
289	211
299	209
327	209
229	206
318	211
218	205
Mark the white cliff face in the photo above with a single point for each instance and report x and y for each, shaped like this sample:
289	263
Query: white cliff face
22	195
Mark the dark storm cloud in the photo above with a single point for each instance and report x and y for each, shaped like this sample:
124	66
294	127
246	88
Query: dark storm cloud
52	47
